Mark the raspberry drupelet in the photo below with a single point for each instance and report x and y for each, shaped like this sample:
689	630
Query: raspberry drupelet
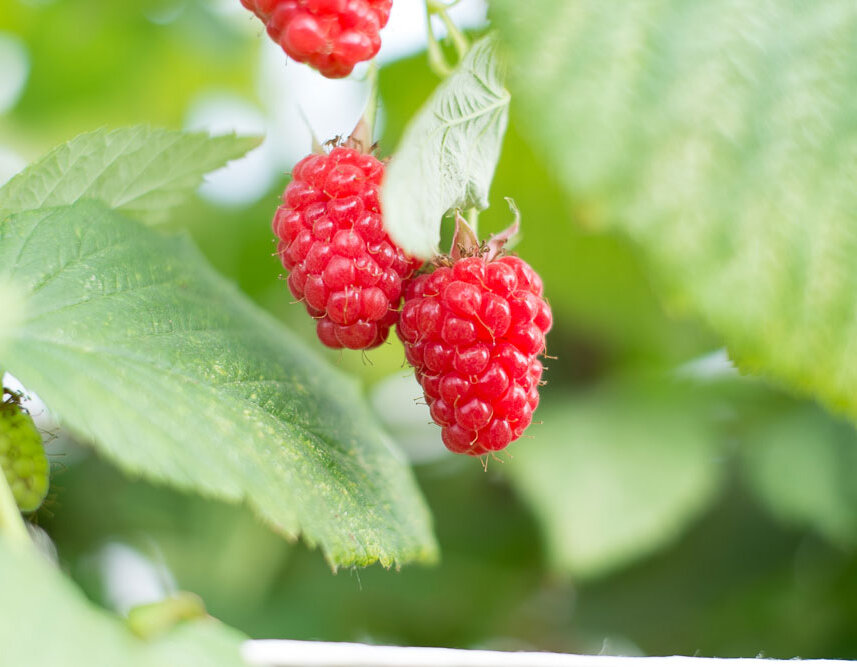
342	264
473	331
330	35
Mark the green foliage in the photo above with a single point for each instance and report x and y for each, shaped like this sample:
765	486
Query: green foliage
598	289
140	348
449	152
720	137
140	61
612	477
140	170
173	528
10	315
490	566
802	466
672	145
54	624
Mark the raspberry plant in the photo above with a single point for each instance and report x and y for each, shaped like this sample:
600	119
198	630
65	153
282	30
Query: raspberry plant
712	140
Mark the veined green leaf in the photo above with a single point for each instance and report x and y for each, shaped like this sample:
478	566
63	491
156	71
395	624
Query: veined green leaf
143	171
140	348
722	137
448	153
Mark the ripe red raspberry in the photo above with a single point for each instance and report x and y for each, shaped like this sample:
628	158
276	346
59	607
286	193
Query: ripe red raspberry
331	35
342	263
473	332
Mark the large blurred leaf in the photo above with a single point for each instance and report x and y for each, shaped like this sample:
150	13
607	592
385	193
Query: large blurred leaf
96	64
721	135
46	621
10	315
596	283
803	465
616	474
448	154
170	528
489	567
141	348
141	170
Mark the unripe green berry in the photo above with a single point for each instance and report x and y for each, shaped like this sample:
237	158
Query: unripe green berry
22	457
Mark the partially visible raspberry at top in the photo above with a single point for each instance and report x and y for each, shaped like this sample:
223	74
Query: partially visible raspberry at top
342	264
331	35
473	331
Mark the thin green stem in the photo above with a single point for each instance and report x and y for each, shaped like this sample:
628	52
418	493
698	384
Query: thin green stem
11	523
370	116
437	60
362	136
461	43
473	220
438	6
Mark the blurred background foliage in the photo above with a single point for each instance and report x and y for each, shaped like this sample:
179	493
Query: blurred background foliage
665	505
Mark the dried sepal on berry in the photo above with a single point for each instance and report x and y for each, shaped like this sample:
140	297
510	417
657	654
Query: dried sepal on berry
473	330
22	454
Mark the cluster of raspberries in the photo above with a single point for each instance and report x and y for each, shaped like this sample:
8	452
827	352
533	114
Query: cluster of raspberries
473	327
330	35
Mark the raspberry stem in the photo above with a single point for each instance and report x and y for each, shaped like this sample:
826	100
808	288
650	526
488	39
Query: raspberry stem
473	219
437	60
459	41
362	136
371	113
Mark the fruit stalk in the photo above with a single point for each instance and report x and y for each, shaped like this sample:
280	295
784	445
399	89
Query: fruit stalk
371	113
437	60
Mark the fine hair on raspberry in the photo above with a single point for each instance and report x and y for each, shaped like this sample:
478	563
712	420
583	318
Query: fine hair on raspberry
342	263
473	331
330	35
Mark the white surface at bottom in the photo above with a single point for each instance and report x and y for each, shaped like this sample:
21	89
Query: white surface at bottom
290	653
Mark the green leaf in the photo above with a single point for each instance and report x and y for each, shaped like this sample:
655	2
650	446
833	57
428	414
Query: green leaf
595	281
802	465
139	347
11	315
617	474
141	170
448	154
721	136
47	621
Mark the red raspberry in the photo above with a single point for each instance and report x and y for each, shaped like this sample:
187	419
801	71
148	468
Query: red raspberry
473	332
342	263
331	35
